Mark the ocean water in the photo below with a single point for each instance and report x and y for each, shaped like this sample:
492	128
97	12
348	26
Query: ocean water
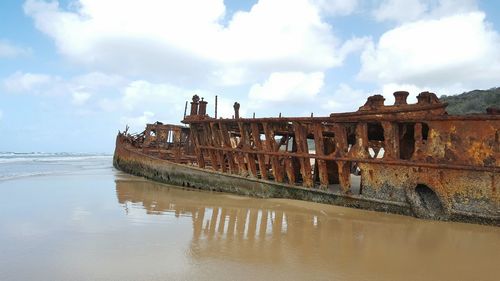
17	165
75	217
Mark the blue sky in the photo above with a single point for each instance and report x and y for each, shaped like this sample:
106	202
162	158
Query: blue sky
73	73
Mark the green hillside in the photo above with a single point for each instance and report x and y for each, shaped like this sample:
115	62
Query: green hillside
472	102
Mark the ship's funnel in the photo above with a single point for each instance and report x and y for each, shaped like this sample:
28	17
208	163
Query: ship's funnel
400	97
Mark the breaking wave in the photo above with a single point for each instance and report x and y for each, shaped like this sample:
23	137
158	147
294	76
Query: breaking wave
19	165
11	157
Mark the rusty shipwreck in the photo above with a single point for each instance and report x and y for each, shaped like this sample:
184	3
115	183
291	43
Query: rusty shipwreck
411	159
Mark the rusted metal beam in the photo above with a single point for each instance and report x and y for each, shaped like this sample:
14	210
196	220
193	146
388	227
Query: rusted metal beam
249	157
369	160
258	143
271	147
214	127
290	170
224	135
198	147
302	147
344	175
391	135
207	133
367	117
320	149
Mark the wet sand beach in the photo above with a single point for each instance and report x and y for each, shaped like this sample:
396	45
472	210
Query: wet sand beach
91	222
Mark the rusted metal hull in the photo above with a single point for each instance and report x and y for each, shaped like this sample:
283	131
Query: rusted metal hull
403	158
376	196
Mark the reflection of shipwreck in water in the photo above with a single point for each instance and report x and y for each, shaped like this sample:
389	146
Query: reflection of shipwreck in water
410	158
274	232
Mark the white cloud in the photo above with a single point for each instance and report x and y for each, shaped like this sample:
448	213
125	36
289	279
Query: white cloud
337	7
143	101
287	86
142	93
28	82
138	123
107	104
79	87
354	44
387	90
436	53
96	80
452	7
8	50
410	10
345	98
400	11
80	98
164	101
97	91
180	44
1	115
225	108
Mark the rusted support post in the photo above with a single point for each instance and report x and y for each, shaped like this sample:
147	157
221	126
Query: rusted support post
177	143
361	147
271	146
158	140
245	139
215	107
209	142
236	107
242	166
342	146
202	111
258	144
224	134
344	175
195	137
418	141
305	164
290	170
185	109
390	142
240	159
218	143
147	138
295	160
194	105
320	149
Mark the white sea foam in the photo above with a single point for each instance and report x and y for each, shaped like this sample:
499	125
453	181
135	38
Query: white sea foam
17	165
23	175
10	157
50	158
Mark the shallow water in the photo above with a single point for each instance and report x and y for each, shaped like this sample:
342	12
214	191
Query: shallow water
100	224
